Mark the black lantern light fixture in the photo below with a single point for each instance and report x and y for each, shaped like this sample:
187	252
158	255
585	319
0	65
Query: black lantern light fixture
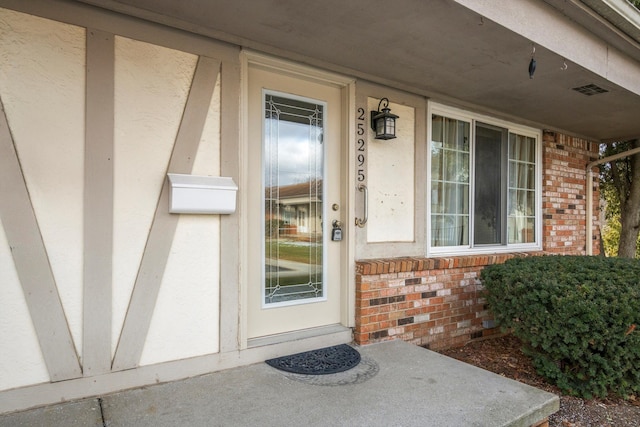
384	122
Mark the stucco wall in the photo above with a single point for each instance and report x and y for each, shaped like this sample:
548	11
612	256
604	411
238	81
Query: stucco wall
390	178
42	88
152	84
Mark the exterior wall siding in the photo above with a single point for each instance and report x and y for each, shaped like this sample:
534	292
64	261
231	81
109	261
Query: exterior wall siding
42	82
439	302
564	200
44	67
432	302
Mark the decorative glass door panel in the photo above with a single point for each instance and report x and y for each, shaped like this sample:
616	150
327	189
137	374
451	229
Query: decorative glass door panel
293	194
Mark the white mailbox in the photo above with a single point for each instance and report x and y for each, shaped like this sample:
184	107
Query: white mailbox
197	194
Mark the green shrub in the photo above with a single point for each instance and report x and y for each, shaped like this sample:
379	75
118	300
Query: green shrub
576	316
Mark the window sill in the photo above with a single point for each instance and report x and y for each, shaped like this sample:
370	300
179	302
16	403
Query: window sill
482	250
438	262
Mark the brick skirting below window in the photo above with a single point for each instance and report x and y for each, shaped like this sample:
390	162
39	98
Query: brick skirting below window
439	302
432	302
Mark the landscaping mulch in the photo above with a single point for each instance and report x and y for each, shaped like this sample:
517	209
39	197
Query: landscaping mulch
503	356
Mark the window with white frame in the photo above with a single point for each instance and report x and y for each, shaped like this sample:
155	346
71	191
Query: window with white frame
484	184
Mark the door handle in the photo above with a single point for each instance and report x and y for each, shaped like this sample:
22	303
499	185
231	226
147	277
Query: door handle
361	222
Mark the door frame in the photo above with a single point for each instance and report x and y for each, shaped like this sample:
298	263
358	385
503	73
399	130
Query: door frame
348	189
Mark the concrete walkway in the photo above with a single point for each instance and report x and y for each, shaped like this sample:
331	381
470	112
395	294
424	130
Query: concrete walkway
396	384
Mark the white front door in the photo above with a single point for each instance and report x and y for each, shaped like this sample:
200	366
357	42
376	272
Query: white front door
294	279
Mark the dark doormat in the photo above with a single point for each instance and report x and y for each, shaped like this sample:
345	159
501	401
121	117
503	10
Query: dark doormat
329	360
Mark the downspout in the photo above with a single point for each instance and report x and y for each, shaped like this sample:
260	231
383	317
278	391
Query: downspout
589	213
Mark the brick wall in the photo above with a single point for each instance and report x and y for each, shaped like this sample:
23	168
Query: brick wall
439	302
564	200
434	302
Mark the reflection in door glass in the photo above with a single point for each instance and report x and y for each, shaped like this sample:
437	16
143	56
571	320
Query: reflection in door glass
293	184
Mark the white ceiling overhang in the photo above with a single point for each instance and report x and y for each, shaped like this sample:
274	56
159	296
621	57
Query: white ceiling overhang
471	53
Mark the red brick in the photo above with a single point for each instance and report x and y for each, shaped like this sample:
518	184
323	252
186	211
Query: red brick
564	179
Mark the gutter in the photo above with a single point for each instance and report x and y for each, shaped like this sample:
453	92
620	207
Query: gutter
620	13
589	213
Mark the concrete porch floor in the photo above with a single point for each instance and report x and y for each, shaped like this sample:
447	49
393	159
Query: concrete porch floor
396	384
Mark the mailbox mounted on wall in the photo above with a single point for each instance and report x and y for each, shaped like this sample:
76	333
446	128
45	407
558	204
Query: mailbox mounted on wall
197	194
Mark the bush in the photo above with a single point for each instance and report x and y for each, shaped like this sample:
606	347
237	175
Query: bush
576	316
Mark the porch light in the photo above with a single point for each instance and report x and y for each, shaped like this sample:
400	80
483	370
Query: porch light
384	122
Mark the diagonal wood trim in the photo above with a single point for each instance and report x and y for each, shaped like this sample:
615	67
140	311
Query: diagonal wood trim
156	253
98	203
32	263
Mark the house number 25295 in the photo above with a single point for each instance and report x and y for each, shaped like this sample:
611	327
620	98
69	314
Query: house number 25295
360	150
